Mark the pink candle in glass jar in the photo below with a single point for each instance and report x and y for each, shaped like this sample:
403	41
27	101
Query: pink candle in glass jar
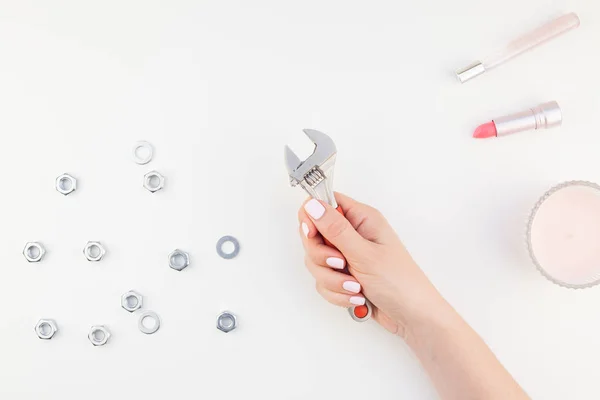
563	234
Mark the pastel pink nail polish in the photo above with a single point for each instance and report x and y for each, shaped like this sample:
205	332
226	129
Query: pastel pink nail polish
314	208
305	229
335	262
357	300
351	286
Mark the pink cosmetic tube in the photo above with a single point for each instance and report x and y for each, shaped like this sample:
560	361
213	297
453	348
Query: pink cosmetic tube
518	46
544	116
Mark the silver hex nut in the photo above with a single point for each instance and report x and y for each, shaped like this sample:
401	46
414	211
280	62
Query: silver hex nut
226	322
34	252
132	301
99	335
46	329
94	251
154	181
66	184
179	260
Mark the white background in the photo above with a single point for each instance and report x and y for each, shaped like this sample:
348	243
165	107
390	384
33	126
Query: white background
219	88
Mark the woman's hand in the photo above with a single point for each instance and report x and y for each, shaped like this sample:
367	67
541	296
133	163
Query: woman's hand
406	303
379	265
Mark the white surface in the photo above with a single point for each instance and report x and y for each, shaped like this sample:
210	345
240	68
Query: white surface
218	88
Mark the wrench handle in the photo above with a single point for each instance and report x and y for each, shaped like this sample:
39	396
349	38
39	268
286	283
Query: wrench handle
358	313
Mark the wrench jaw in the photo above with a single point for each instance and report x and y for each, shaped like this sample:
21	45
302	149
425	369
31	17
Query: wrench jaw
292	163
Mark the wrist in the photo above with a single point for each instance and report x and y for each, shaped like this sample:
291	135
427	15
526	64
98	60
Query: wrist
435	317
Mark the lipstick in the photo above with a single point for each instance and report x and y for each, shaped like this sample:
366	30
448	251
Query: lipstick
544	116
520	45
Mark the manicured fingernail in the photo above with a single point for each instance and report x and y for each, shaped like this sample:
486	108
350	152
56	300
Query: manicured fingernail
351	286
314	208
335	262
305	229
357	300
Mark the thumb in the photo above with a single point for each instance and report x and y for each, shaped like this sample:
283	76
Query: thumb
335	227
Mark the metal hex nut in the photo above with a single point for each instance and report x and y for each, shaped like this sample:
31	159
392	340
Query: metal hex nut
132	301
66	184
46	329
179	260
34	251
226	322
154	181
99	335
94	251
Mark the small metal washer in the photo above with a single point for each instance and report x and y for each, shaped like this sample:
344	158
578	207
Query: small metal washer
149	149
236	247
152	315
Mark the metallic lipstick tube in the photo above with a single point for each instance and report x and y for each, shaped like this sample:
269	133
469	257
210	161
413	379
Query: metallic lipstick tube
547	115
518	46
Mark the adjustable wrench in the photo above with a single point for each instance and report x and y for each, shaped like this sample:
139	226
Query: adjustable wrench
315	176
